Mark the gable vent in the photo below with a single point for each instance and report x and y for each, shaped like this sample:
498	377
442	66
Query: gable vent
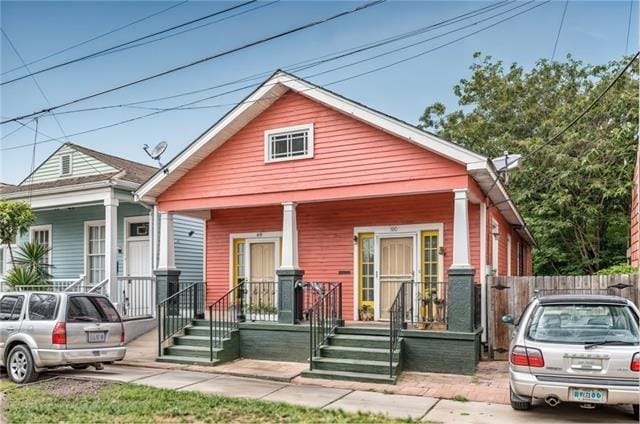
65	165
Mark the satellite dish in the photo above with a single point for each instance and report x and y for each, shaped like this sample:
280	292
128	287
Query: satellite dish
157	151
507	162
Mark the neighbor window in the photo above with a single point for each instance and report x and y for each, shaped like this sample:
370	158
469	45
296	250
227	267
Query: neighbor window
95	236
65	165
41	234
289	143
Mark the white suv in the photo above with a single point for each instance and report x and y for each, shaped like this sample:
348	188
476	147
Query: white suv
573	348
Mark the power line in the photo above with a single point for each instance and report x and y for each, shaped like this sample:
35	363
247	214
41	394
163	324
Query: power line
100	52
97	37
313	88
306	64
564	12
203	60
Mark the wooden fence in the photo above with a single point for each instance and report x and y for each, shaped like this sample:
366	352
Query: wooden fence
510	295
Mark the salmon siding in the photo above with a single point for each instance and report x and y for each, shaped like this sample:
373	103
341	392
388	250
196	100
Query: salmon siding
634	233
362	174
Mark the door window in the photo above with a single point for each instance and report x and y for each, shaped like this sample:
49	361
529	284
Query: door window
43	307
10	308
238	261
366	270
96	253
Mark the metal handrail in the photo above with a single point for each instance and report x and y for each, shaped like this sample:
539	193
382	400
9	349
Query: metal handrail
227	312
168	325
324	317
397	314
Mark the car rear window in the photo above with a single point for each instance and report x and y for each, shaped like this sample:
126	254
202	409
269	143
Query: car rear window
43	307
584	323
91	309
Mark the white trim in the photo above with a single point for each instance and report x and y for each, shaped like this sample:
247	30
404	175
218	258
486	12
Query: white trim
495	247
85	253
49	229
509	255
483	269
60	171
285	130
268	236
128	237
410	230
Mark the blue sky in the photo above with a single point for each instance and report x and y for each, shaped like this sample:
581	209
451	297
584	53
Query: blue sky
593	31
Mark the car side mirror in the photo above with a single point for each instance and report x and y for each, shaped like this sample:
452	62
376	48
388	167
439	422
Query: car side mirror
508	319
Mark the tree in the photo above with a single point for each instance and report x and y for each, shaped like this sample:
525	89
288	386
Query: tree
575	194
15	219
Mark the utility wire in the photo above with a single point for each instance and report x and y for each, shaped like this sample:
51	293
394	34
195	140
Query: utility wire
309	63
15	50
313	88
564	12
97	37
99	52
203	60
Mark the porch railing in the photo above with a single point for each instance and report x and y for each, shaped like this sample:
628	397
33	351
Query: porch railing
55	284
312	291
136	296
325	315
224	316
258	300
398	319
176	312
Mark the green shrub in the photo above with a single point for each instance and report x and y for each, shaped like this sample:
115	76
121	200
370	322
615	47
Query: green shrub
618	270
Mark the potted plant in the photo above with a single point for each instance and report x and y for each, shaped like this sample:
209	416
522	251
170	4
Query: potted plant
366	313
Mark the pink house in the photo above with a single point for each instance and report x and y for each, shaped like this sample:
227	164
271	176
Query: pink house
300	183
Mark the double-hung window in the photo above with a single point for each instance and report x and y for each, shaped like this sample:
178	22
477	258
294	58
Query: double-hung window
289	143
41	234
95	248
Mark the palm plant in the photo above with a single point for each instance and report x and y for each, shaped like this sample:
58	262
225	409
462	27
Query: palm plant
31	265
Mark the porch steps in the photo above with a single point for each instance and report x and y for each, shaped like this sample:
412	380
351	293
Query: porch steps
192	347
357	354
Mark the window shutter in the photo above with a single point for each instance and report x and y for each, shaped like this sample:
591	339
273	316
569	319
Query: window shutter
65	165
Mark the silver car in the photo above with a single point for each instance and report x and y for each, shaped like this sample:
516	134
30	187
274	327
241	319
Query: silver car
573	348
40	330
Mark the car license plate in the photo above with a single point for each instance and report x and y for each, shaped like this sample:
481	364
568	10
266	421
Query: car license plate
96	336
588	395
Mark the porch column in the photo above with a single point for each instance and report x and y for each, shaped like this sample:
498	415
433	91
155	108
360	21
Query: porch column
167	276
460	284
289	297
111	247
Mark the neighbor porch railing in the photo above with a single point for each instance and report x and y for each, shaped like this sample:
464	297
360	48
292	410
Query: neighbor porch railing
325	315
54	284
176	312
136	296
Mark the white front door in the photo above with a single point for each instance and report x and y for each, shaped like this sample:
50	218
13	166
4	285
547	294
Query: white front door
138	249
396	263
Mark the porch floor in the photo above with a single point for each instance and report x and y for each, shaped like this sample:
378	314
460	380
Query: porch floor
489	384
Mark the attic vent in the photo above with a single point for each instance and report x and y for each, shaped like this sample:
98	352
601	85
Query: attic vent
65	165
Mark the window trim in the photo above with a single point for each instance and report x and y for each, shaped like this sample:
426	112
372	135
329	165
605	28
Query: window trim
49	229
88	224
70	156
278	131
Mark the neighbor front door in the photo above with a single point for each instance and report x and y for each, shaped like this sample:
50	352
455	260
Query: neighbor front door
396	264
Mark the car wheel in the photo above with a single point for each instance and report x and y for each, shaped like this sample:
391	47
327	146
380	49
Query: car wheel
518	403
20	365
636	413
80	366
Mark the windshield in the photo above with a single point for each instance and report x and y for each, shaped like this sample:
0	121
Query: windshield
584	324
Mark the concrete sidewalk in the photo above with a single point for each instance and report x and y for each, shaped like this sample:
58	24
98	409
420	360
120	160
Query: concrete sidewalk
417	408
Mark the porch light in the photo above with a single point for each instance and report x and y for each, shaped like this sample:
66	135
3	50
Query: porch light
355	239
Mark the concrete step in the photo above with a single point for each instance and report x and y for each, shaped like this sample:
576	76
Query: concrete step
350	376
364	331
197	331
347	352
365	341
186	360
353	365
189	351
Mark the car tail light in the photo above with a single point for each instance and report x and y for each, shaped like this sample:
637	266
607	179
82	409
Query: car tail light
122	333
527	356
59	334
635	362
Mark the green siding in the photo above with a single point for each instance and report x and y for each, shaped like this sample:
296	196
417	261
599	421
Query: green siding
81	166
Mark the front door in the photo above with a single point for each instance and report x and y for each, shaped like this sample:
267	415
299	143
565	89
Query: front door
396	265
262	286
138	257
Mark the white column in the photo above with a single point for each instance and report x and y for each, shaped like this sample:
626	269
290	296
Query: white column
166	250
289	237
483	268
111	246
461	229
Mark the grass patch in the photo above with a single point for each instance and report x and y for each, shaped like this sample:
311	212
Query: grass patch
460	398
52	402
5	385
